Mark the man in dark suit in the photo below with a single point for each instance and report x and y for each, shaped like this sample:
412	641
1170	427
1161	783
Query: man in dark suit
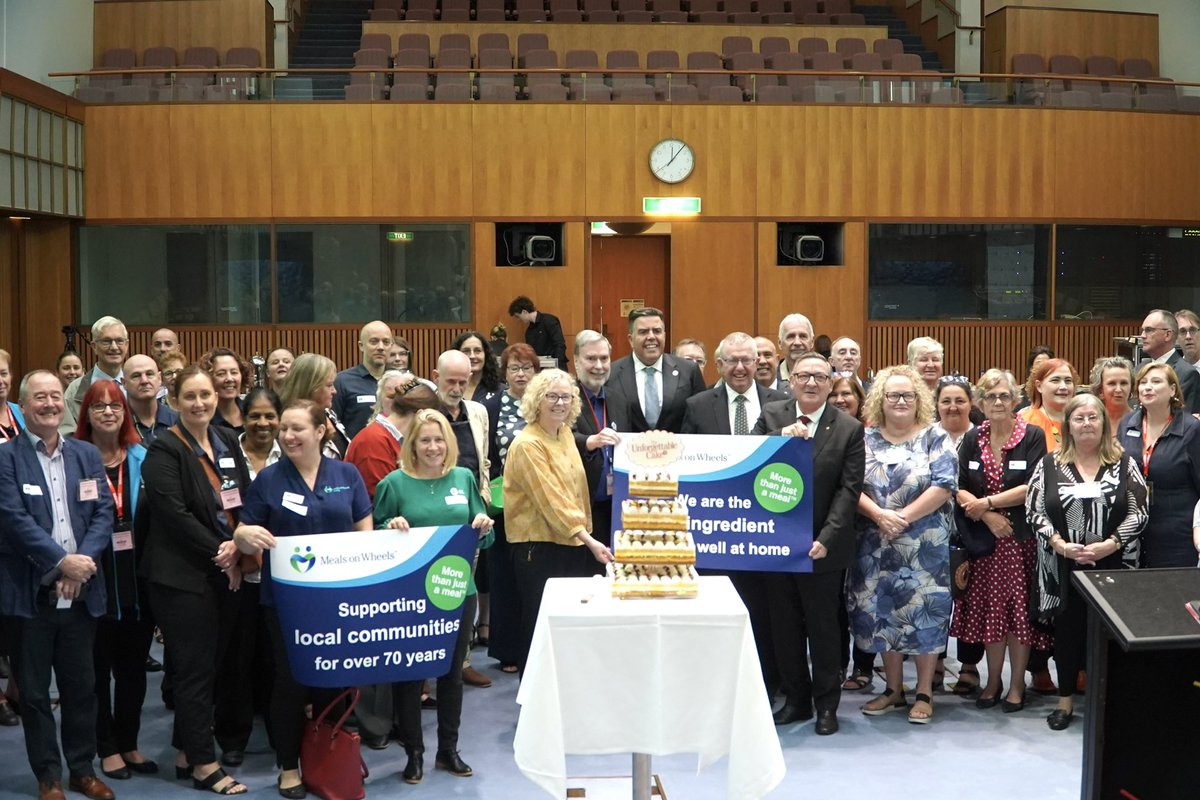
648	390
56	519
805	605
846	357
1160	330
733	407
765	371
594	437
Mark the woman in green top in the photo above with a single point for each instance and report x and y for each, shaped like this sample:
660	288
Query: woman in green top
429	489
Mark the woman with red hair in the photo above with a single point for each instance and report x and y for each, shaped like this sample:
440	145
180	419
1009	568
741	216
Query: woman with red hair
124	634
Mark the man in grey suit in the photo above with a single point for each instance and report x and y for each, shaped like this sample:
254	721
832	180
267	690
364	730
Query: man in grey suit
805	605
1160	330
110	343
648	390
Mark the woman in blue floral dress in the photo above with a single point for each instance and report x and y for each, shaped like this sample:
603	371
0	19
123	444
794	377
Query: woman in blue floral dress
899	586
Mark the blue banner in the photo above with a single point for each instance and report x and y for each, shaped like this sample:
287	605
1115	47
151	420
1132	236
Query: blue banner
372	607
748	498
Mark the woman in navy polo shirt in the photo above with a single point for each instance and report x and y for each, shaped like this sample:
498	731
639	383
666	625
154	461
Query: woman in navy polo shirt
332	498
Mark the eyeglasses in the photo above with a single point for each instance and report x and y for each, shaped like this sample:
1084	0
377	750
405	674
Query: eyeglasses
171	373
402	352
1090	419
100	408
896	397
1148	330
516	369
1003	397
1188	331
818	378
109	343
737	362
555	399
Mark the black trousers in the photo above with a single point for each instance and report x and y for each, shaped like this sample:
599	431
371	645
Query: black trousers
61	641
534	563
285	720
407	695
752	588
804	616
195	631
233	716
504	634
120	652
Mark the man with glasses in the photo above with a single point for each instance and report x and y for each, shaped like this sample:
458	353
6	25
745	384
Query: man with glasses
1189	327
648	390
804	606
594	434
1160	331
355	396
110	343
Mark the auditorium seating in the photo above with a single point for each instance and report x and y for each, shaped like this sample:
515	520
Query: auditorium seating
739	12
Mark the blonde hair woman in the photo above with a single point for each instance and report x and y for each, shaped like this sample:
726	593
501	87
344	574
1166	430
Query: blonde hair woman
311	378
927	357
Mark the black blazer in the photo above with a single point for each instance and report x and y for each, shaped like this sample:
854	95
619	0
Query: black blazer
708	412
976	537
585	426
178	521
681	379
839	466
1173	487
1189	381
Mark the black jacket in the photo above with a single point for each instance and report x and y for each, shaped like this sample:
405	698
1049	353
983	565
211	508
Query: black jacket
1019	464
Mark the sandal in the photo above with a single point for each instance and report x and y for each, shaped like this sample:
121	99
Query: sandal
939	678
511	669
916	709
210	782
879	711
481	634
858	681
965	688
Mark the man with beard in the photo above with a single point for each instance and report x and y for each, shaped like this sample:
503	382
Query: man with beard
594	434
356	386
648	390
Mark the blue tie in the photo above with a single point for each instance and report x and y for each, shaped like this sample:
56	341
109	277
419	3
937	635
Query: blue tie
653	402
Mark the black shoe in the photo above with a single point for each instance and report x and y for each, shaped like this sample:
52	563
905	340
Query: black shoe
1059	720
793	713
374	742
8	717
827	723
182	773
414	770
297	792
1011	708
429	702
120	773
153	664
450	761
989	702
146	767
233	758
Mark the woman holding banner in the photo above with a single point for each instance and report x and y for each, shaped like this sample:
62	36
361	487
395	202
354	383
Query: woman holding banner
303	493
429	490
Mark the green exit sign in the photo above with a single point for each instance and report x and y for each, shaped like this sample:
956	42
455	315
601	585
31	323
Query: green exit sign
400	236
671	205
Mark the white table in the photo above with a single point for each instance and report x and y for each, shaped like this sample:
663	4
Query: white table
645	676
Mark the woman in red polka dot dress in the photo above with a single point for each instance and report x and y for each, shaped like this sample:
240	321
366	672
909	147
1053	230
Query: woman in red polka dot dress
996	460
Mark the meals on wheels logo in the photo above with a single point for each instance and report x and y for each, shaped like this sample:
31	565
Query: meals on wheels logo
303	563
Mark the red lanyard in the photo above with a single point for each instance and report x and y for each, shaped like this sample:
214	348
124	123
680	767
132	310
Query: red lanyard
592	408
118	491
1149	448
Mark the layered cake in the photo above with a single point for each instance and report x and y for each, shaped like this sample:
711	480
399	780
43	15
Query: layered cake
654	547
655	515
653	483
654	580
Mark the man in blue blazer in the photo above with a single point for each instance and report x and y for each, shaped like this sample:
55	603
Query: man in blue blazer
56	519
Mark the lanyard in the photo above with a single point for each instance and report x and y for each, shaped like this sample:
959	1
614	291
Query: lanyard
1149	448
12	423
592	408
226	479
118	491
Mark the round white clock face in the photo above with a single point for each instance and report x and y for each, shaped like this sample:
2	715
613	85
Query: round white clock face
672	161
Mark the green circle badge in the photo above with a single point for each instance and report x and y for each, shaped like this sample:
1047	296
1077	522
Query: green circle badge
446	582
778	487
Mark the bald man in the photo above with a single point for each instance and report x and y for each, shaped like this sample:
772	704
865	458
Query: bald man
164	340
142	383
356	386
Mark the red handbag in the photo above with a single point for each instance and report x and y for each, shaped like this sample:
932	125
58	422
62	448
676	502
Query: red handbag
330	756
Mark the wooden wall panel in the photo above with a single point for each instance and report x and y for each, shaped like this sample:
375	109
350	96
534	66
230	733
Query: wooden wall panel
1008	171
47	283
421	159
230	135
1092	180
1053	31
181	24
812	161
832	297
10	295
712	281
558	290
322	160
127	153
528	160
1170	188
913	160
642	38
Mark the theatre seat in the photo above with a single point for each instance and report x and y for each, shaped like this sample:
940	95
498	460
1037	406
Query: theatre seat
363	92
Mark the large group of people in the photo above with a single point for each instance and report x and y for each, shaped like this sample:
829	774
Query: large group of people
138	497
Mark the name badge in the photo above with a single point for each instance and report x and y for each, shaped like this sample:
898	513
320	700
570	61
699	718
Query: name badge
972	465
1088	491
1134	432
231	498
31	489
610	483
366	398
292	497
892	456
63	603
456	500
122	540
1016	465
296	508
225	463
88	489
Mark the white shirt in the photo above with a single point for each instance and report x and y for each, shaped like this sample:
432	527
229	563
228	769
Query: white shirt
640	375
814	416
54	472
753	408
100	375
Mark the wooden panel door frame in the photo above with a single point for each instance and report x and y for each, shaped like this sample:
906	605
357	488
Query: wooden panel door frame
618	333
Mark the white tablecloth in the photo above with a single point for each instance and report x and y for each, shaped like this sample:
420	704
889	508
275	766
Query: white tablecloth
645	676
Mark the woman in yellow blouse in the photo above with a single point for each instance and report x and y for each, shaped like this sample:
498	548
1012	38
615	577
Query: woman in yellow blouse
547	510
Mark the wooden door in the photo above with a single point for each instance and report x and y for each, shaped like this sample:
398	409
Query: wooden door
627	268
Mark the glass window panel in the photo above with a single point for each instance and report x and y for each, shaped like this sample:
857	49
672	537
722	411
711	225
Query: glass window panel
18	127
59	191
45	174
6	179
6	115
74	137
979	271
57	128
1122	271
195	274
18	168
32	186
75	194
45	123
